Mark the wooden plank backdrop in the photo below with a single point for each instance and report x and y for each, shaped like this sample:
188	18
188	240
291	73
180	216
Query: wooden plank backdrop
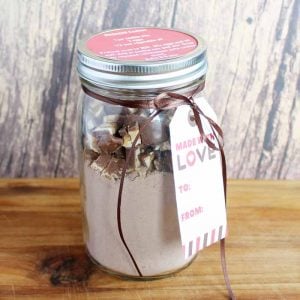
253	81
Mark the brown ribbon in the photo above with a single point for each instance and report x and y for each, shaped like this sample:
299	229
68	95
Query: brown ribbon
165	101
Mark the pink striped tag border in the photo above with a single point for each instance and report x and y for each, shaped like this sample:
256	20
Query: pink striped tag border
205	240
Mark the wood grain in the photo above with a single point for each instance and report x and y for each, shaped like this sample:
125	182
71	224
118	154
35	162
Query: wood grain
253	81
42	254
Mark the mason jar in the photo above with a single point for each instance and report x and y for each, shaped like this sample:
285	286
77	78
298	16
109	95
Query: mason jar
132	230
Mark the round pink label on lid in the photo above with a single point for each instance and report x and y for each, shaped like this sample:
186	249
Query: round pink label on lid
142	44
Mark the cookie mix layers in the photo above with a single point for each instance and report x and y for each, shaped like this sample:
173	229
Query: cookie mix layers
108	136
149	215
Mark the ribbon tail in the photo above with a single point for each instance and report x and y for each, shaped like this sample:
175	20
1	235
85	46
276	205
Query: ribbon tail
197	112
225	272
222	242
120	193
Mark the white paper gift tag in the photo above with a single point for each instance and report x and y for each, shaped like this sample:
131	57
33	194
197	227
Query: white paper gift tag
198	181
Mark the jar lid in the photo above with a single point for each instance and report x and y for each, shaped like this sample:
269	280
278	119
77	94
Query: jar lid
142	58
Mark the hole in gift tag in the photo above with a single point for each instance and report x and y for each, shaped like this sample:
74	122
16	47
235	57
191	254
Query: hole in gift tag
191	118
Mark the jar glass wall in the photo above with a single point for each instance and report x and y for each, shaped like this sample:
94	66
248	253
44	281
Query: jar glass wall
148	213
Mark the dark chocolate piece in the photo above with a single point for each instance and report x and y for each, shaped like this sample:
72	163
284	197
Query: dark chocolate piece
101	162
163	161
114	168
106	142
90	155
154	133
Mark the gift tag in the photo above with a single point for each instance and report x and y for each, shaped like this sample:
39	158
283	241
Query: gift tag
198	180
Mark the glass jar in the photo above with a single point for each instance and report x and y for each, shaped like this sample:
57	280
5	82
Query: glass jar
106	131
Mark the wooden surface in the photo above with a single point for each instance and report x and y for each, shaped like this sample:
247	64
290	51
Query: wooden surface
253	79
42	255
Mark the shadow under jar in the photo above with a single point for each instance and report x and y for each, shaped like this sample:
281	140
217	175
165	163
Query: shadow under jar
128	65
